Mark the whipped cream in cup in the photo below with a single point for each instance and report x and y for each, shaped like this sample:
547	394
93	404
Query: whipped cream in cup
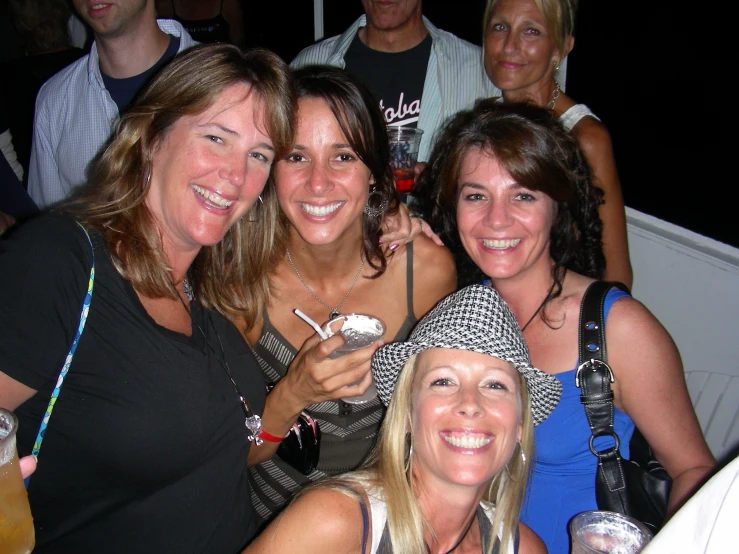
360	330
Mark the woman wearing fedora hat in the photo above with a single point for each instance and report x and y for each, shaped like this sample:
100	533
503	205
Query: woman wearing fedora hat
449	470
513	194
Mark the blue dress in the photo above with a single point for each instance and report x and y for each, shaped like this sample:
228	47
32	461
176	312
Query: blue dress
562	481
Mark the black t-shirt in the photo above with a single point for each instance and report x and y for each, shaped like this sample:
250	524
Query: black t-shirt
124	91
396	79
146	447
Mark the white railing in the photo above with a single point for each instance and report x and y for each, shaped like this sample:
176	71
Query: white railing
691	284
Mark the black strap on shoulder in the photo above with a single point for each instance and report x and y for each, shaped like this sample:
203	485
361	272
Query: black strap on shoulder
365	515
594	378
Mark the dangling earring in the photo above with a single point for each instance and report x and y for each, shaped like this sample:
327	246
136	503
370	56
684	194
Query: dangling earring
409	448
556	65
382	204
253	216
523	461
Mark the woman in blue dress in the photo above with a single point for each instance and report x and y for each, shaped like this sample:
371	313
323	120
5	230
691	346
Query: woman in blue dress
511	193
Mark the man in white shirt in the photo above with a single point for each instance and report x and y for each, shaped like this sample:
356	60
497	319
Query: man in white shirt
78	108
421	75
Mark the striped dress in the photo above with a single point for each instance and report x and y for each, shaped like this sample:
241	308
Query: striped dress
348	431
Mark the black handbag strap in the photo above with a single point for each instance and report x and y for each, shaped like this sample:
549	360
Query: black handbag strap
594	378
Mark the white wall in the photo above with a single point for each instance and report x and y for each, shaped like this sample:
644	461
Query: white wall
691	284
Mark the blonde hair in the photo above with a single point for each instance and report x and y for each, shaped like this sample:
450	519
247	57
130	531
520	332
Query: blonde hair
559	18
230	276
389	469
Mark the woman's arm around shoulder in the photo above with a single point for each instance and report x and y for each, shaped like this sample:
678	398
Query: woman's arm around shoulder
529	542
321	520
595	142
434	274
650	387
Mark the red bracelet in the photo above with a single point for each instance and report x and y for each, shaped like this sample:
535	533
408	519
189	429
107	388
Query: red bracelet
264	435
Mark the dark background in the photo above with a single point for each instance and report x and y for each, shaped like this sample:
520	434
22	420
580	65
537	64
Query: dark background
659	77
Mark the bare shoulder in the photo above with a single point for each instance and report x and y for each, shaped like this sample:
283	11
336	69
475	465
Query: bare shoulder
530	542
593	136
434	274
638	342
628	316
426	253
321	520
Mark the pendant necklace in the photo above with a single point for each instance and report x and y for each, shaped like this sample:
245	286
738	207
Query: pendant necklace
333	312
252	421
187	289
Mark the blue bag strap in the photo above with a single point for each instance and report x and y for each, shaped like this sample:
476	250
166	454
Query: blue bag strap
70	354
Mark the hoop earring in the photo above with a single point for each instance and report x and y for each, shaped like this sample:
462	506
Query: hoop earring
409	445
253	216
523	463
379	210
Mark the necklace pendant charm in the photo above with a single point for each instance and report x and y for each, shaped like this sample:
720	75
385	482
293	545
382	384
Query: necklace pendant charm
333	315
254	426
188	290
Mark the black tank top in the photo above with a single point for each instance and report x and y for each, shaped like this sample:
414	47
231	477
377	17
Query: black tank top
214	29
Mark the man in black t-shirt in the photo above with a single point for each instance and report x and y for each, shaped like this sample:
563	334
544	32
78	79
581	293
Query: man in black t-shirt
420	75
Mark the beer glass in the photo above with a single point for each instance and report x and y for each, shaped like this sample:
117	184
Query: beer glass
16	523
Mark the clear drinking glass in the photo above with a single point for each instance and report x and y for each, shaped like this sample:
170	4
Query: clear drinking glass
602	532
16	524
360	330
404	143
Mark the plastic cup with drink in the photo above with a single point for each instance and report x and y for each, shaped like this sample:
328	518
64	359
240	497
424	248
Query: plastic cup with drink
599	532
404	144
16	523
359	330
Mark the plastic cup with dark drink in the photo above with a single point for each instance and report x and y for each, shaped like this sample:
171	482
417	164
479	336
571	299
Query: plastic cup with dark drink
602	532
16	523
359	330
404	143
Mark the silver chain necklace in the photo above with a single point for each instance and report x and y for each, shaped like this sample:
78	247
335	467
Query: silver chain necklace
333	312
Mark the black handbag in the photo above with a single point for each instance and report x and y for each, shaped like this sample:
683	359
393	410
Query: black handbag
301	447
638	487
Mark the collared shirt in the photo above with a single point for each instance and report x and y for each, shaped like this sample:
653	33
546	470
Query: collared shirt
455	77
74	118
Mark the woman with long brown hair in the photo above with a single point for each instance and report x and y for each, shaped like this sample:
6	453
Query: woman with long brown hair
146	448
336	192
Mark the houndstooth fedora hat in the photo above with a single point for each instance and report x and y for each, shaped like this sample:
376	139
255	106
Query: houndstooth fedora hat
476	319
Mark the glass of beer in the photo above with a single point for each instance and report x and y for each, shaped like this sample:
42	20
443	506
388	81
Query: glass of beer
602	532
360	331
404	143
16	523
